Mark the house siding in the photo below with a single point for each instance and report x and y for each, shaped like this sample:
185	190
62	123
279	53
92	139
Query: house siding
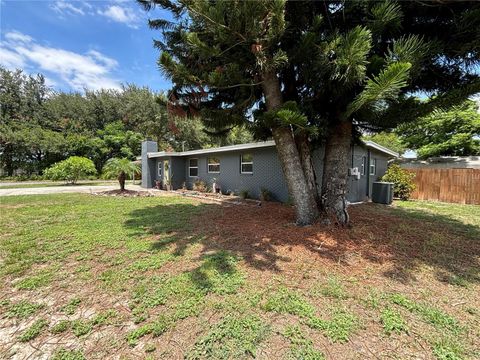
267	172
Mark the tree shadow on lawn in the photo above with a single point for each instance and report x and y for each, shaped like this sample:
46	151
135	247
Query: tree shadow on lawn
397	241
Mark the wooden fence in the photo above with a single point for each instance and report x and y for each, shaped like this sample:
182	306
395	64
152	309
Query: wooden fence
449	185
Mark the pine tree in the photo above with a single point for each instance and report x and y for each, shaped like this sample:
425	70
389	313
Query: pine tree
357	66
223	58
317	71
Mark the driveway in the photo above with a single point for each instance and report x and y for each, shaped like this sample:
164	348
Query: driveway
63	189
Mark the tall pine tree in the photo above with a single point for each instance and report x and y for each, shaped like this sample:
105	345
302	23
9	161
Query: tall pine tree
316	71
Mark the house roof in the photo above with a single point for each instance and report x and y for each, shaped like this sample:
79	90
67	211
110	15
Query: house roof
380	148
247	146
253	145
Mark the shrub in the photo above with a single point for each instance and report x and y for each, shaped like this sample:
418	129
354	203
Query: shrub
200	185
402	179
244	194
71	169
265	194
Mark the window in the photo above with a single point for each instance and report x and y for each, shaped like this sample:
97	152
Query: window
193	167
373	166
246	164
364	165
160	169
213	165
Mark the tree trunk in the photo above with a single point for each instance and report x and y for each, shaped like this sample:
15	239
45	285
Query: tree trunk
306	161
335	173
304	201
121	180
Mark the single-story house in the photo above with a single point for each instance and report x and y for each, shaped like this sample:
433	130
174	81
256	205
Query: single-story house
254	166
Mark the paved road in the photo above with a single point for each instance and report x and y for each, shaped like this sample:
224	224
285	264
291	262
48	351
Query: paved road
63	189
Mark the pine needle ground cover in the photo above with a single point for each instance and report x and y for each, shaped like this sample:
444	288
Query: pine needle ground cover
170	277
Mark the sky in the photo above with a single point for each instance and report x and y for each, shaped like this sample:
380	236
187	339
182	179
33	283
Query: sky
81	44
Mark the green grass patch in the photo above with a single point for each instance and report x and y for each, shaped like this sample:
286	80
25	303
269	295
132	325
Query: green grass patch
22	309
61	327
65	354
81	327
232	338
105	318
34	330
339	328
72	306
301	347
393	322
156	328
333	289
429	314
448	349
43	278
218	274
285	301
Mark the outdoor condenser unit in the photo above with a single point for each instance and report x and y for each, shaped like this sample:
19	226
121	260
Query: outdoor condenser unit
382	192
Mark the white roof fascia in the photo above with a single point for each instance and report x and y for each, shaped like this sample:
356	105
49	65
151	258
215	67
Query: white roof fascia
253	145
381	148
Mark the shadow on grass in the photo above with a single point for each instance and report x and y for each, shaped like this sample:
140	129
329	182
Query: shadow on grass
404	239
170	224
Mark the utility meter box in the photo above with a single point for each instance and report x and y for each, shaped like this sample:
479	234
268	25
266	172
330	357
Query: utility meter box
382	192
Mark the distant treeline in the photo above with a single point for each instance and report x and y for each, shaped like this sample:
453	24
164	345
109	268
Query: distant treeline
40	126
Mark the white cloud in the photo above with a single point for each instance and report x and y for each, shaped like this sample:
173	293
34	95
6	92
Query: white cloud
10	59
122	15
64	7
18	36
91	70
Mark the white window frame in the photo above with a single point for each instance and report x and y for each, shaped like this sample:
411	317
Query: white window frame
373	165
213	164
364	166
160	168
192	167
245	163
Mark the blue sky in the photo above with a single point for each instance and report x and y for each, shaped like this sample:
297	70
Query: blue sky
77	44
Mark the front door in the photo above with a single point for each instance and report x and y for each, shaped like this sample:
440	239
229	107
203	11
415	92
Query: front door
166	174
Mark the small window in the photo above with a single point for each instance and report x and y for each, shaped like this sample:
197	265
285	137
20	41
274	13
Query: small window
373	166
364	163
160	169
193	167
213	165
246	164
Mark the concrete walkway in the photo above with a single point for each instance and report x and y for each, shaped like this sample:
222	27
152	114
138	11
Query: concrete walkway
63	189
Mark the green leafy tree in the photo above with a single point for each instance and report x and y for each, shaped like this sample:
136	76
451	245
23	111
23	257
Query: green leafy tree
390	140
402	179
316	72
71	169
120	168
452	132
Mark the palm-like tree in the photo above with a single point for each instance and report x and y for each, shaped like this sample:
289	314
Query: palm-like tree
120	168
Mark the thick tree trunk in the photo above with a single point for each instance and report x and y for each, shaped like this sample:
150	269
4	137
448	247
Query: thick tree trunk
121	180
304	201
335	172
306	161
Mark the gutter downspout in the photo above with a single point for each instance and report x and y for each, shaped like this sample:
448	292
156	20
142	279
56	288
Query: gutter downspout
367	165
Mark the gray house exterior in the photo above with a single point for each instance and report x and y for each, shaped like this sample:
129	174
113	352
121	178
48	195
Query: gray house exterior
255	166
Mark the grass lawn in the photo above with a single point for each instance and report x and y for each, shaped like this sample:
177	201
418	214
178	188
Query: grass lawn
170	277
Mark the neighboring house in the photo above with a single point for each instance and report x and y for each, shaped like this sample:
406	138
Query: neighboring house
442	162
255	166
